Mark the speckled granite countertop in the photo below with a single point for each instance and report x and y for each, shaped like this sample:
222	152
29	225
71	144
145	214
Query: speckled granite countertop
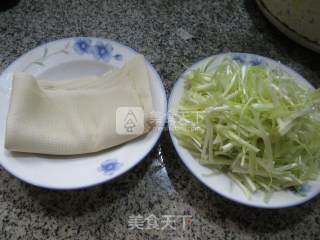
160	185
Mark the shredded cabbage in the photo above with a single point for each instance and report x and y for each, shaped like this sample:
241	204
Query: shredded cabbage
257	125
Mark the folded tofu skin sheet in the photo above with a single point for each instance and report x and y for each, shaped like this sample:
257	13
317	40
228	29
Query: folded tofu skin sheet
75	116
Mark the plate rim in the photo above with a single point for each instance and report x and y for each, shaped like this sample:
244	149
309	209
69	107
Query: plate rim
287	31
155	140
178	147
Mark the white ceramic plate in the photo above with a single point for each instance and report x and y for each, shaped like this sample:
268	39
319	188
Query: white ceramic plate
66	59
222	184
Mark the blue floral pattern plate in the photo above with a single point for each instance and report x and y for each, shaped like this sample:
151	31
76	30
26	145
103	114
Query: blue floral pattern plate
220	183
66	59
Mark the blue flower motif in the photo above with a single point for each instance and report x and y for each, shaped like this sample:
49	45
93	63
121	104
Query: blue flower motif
302	190
109	166
82	45
305	188
118	57
255	62
102	51
238	58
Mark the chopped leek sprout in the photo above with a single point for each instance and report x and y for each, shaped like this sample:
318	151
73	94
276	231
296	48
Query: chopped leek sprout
259	126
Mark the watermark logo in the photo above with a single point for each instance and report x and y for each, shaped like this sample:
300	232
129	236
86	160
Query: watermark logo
129	120
163	222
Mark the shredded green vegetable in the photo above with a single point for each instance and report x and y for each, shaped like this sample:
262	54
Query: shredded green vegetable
259	126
